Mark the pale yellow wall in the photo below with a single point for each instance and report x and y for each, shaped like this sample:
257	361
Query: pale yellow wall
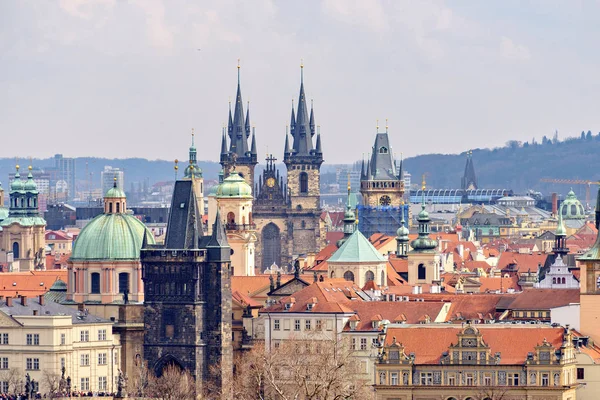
359	270
30	239
432	264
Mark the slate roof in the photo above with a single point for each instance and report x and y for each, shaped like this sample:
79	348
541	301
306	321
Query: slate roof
50	308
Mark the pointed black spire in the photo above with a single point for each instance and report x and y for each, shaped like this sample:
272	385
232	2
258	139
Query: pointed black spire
469	179
318	149
292	120
301	132
362	169
217	246
238	126
312	120
286	150
248	120
253	147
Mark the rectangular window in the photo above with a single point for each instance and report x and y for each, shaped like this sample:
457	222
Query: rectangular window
487	380
4	386
319	325
545	379
580	373
513	379
62	363
4	362
363	343
5	338
63	339
353	345
116	360
276	325
426	378
85	384
393	378
307	325
469	379
102	383
102	334
452	380
32	363
85	360
33	339
297	325
101	358
84	336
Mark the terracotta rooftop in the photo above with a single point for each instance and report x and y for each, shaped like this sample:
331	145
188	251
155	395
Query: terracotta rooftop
409	312
522	262
31	283
544	299
428	342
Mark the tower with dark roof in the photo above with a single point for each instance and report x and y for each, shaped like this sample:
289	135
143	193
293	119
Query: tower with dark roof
187	288
469	179
381	183
239	153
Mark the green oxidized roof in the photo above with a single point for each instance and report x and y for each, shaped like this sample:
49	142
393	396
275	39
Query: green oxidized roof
356	248
114	193
3	213
111	237
560	227
234	186
402	232
571	207
24	221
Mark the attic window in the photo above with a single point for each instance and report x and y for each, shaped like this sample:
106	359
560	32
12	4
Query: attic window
383	150
288	306
309	306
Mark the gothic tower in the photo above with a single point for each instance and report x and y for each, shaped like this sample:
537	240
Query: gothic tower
303	162
187	308
381	184
469	180
239	154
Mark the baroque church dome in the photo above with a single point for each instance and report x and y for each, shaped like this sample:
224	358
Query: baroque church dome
234	186
116	236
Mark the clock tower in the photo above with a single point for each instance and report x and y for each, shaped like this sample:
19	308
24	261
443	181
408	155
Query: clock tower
381	184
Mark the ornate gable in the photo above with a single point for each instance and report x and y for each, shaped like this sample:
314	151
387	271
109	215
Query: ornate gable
470	349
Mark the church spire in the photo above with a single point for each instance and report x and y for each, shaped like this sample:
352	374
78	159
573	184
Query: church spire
238	127
469	179
301	131
253	146
560	238
286	150
349	218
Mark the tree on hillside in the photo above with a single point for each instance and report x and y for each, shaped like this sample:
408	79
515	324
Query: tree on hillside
324	369
588	136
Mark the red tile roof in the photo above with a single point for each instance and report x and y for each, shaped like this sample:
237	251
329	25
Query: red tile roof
544	299
522	262
30	283
410	312
428	342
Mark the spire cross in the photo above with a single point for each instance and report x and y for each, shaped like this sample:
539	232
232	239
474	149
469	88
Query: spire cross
301	70
176	168
192	136
238	67
386	125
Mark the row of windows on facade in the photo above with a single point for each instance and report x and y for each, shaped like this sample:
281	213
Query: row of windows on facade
33	364
532	314
308	325
382	184
469	378
33	339
95	282
369	276
84	385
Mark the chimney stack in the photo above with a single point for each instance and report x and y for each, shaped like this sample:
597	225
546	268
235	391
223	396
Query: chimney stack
9	301
554	203
23	300
42	300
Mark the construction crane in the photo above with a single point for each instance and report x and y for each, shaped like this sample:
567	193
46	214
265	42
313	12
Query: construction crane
575	182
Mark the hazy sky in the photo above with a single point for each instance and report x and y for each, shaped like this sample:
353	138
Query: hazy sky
130	78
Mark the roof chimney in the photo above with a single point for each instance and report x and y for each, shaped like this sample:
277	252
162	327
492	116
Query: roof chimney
9	301
42	300
23	300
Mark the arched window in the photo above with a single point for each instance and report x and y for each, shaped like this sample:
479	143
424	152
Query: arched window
16	252
332	275
271	246
110	208
250	218
573	209
118	207
95	283
383	150
303	182
383	282
349	276
564	280
230	218
421	272
553	281
598	283
369	276
123	282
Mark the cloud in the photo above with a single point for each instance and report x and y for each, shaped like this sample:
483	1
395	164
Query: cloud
159	33
84	8
513	51
366	13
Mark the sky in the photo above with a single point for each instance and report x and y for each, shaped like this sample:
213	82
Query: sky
131	78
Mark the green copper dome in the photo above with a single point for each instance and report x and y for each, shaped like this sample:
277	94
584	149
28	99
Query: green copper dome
30	185
571	208
402	232
234	186
111	237
114	193
17	183
423	243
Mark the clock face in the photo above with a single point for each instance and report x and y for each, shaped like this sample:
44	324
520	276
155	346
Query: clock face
270	182
385	200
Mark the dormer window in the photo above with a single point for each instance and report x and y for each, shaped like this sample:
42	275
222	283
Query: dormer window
383	150
309	306
375	324
287	306
353	325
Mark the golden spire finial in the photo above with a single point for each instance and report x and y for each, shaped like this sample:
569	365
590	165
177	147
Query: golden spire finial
423	185
238	63
377	126
302	63
386	125
349	187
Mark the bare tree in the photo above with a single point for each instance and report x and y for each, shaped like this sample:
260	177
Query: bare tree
51	383
323	368
141	380
174	384
14	378
491	393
